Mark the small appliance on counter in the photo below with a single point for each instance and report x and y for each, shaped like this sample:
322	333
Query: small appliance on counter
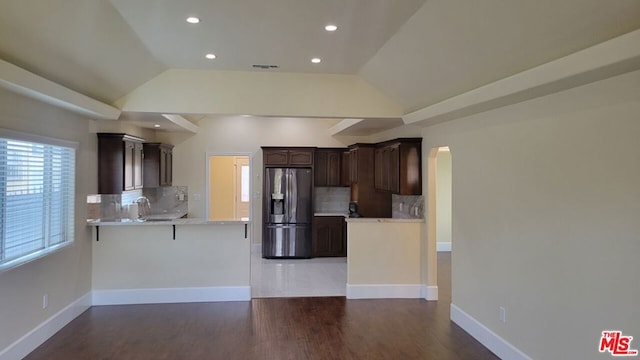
353	210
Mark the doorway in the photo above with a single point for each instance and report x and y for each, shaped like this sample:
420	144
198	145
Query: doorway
439	209
229	187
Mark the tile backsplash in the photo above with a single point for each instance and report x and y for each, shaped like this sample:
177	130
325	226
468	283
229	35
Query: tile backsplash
162	200
332	200
407	206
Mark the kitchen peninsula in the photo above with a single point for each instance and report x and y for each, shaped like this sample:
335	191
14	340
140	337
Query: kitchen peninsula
141	262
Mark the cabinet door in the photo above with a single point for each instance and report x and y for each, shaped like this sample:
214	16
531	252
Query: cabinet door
129	165
301	157
344	171
137	166
410	181
276	157
353	165
328	236
378	169
333	168
394	169
320	168
162	168
169	168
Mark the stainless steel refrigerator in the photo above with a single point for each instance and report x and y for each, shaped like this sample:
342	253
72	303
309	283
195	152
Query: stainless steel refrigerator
287	213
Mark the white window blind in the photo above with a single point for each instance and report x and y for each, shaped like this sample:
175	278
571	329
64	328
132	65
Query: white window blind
37	190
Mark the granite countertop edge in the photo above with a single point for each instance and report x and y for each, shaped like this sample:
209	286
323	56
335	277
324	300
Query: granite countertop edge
183	221
383	220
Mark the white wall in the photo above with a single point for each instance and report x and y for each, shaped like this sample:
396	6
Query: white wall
237	134
65	275
443	197
545	217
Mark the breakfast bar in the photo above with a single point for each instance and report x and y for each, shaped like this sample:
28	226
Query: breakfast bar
141	262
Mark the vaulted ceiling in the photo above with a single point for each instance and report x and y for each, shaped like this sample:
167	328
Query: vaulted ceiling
415	52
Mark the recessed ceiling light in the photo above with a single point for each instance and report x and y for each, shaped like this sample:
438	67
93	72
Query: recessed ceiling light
193	20
331	27
316	60
210	56
156	125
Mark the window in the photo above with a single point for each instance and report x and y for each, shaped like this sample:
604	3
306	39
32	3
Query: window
37	191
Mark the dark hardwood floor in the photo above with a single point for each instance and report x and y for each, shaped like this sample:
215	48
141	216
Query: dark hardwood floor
270	328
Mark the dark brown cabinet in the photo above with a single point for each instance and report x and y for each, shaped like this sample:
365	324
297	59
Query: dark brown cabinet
328	167
371	202
287	156
329	236
398	166
158	164
119	163
344	170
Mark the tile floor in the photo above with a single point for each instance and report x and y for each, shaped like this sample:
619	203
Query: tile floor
297	277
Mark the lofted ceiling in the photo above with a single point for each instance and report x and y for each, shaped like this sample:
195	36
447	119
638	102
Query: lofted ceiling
415	52
285	33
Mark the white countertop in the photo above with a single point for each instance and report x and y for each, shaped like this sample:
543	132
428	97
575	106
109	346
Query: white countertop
330	214
383	220
181	221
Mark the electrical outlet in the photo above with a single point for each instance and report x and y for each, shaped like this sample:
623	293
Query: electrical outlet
502	314
45	301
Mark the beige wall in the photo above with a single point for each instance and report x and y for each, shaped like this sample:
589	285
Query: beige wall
65	275
241	135
383	253
443	196
147	257
545	217
221	187
260	93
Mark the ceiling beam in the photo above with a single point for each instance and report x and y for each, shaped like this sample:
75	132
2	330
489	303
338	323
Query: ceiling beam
25	83
182	122
610	58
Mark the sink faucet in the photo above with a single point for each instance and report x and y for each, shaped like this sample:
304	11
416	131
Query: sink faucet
144	206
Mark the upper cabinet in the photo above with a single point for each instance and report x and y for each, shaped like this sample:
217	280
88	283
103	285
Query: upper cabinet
287	156
119	163
158	164
398	166
328	167
371	202
345	167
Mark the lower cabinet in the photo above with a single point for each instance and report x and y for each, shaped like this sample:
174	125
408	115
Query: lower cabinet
329	236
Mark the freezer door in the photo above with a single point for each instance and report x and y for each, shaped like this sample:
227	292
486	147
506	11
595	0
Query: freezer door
275	195
298	194
289	241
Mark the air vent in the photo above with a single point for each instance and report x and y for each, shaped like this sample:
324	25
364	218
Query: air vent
265	67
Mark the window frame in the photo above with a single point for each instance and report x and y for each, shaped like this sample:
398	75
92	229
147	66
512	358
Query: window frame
48	249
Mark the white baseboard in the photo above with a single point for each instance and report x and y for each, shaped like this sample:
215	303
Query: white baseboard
429	292
384	291
34	338
171	295
485	336
443	246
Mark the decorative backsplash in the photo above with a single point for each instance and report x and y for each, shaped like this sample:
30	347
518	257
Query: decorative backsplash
407	206
162	200
332	200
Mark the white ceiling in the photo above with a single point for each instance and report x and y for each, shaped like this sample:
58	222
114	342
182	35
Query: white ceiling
416	52
279	32
452	46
